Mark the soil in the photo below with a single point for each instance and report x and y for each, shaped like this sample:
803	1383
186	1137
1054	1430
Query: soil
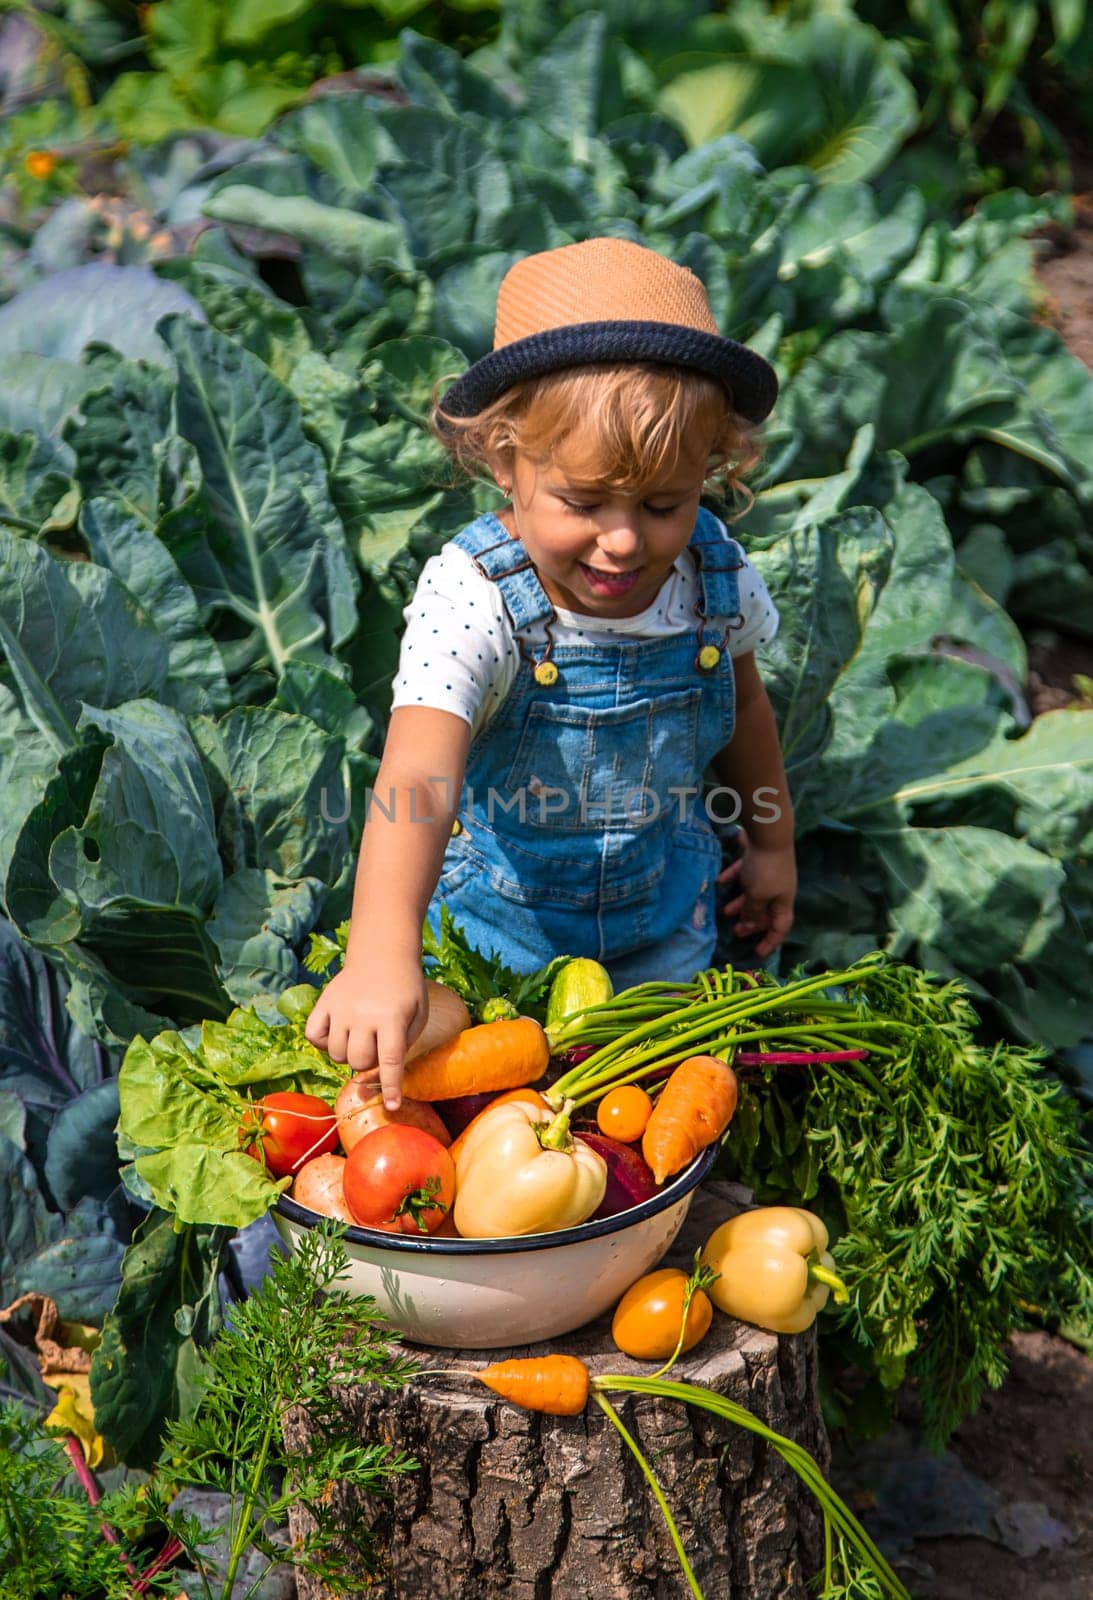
1006	1512
1055	664
1066	276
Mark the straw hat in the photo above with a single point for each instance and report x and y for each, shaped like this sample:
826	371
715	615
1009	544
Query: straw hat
607	300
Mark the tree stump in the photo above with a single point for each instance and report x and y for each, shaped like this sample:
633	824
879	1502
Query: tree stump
511	1504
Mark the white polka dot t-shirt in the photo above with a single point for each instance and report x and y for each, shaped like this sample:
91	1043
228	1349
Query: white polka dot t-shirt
459	652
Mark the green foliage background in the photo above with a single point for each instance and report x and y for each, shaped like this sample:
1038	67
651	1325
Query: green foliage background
234	442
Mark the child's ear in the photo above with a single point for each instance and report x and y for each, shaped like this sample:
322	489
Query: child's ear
500	464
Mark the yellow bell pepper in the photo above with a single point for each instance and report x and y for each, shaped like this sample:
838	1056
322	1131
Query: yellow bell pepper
521	1171
774	1268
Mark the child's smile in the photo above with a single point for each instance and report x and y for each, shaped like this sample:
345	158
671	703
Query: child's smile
609	584
599	550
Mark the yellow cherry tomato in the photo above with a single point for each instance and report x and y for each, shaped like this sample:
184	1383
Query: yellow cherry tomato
623	1113
647	1319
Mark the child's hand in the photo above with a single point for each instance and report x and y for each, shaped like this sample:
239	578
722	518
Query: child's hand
767	880
369	1019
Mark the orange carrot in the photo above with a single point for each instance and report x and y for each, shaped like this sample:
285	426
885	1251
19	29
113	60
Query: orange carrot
558	1384
495	1055
693	1109
531	1097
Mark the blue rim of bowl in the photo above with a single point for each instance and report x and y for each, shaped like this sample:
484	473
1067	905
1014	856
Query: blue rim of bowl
688	1179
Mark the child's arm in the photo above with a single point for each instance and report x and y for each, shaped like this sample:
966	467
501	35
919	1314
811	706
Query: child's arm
376	1005
752	766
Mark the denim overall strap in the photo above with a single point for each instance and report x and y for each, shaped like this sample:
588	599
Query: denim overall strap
505	561
719	559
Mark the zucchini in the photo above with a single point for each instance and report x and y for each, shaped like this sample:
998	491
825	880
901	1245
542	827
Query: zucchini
581	982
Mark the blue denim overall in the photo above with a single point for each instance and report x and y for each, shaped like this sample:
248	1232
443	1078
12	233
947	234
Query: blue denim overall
581	828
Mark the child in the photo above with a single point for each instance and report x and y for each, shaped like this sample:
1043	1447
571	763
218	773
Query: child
573	665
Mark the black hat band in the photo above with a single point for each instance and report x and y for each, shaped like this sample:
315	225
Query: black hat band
751	380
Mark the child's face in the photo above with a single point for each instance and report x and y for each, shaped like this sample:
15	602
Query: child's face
596	550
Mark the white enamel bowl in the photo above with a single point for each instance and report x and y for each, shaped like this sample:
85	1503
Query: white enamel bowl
485	1294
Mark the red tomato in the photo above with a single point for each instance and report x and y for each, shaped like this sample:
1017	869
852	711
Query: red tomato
287	1129
399	1179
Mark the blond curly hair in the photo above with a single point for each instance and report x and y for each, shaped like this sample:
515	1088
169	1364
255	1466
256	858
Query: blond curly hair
633	416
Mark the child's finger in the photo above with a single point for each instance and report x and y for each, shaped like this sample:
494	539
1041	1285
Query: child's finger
753	916
781	921
731	872
337	1043
361	1051
731	907
391	1050
317	1027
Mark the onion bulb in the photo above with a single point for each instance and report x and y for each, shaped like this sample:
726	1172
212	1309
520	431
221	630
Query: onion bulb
447	1017
318	1185
360	1110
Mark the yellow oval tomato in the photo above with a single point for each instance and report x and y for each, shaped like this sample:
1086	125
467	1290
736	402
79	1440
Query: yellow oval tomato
623	1113
647	1319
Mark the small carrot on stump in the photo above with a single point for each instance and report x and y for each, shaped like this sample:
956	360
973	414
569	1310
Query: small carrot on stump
495	1055
695	1107
555	1384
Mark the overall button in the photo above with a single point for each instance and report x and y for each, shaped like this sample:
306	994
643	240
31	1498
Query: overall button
708	657
545	674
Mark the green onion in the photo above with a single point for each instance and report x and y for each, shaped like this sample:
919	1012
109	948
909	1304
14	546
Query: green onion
658	1493
838	1517
651	1028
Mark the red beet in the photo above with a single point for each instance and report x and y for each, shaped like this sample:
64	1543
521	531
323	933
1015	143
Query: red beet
577	1053
795	1058
629	1178
457	1114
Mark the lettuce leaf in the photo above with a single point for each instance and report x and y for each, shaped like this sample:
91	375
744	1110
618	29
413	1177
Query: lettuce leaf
183	1101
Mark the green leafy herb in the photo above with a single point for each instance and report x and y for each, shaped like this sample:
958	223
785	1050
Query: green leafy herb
483	980
326	954
490	989
299	1335
50	1532
955	1194
291	1342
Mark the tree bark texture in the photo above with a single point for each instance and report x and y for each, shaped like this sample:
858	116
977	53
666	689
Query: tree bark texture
511	1505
